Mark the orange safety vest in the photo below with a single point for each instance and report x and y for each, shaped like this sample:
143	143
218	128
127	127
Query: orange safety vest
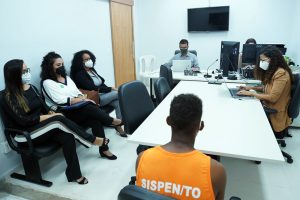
179	175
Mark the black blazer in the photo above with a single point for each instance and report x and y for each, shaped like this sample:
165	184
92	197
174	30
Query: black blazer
83	81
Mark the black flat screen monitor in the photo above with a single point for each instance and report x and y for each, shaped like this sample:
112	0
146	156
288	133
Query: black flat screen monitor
259	47
229	56
251	52
208	19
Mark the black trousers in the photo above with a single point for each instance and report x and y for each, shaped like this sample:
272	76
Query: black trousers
91	116
67	142
63	124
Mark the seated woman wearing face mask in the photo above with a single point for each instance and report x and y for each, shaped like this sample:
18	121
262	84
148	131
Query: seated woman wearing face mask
26	110
276	78
86	77
60	91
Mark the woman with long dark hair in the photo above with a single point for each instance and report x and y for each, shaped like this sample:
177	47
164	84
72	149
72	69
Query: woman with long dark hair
276	77
61	93
86	77
26	110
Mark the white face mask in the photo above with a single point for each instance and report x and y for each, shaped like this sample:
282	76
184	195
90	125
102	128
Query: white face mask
26	78
264	65
89	63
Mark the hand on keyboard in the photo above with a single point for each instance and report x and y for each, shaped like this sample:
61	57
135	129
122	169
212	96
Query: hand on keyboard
244	93
244	88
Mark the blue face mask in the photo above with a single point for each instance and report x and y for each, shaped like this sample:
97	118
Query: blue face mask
26	78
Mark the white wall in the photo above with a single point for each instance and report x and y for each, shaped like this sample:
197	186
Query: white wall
32	28
159	26
294	28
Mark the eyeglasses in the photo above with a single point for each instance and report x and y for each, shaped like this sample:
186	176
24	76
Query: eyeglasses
25	71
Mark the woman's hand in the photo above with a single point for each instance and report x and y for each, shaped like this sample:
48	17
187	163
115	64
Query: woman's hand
90	100
51	112
76	100
83	96
57	114
113	88
245	92
44	117
247	88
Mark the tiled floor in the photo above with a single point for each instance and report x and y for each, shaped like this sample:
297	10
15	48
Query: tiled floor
6	196
267	181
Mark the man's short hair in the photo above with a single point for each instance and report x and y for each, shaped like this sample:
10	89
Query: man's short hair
184	41
185	111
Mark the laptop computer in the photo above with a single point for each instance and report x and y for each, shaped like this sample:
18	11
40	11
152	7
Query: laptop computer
234	91
181	65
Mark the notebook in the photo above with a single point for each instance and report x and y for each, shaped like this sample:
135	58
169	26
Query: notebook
181	65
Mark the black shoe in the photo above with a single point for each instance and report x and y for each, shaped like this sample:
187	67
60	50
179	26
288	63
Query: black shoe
120	133
103	155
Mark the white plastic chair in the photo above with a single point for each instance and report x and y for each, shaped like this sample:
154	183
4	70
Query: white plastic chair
146	65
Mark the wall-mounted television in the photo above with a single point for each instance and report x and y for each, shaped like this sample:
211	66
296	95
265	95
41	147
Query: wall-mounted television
208	19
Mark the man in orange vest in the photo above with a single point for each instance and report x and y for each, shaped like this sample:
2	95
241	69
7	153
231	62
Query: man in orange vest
177	169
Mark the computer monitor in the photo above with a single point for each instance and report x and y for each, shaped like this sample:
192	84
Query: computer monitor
249	54
259	47
229	56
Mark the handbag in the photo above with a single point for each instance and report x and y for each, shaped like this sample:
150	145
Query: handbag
92	94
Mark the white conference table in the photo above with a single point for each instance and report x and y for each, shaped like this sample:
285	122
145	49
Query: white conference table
233	128
199	77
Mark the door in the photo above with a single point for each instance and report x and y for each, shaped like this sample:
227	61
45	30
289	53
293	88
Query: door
122	40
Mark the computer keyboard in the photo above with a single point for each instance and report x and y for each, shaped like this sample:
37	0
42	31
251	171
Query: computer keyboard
234	91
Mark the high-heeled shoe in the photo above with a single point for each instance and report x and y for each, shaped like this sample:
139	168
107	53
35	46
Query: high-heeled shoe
103	155
83	181
119	130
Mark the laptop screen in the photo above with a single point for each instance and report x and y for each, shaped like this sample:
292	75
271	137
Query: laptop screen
181	65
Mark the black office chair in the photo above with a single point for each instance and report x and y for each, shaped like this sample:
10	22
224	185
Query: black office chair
162	89
133	192
293	112
191	51
29	153
135	104
166	72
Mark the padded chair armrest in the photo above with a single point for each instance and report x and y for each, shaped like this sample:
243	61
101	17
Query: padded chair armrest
12	142
269	111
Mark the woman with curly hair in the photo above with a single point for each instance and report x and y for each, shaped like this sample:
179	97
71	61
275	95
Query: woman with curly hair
86	77
61	93
276	77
